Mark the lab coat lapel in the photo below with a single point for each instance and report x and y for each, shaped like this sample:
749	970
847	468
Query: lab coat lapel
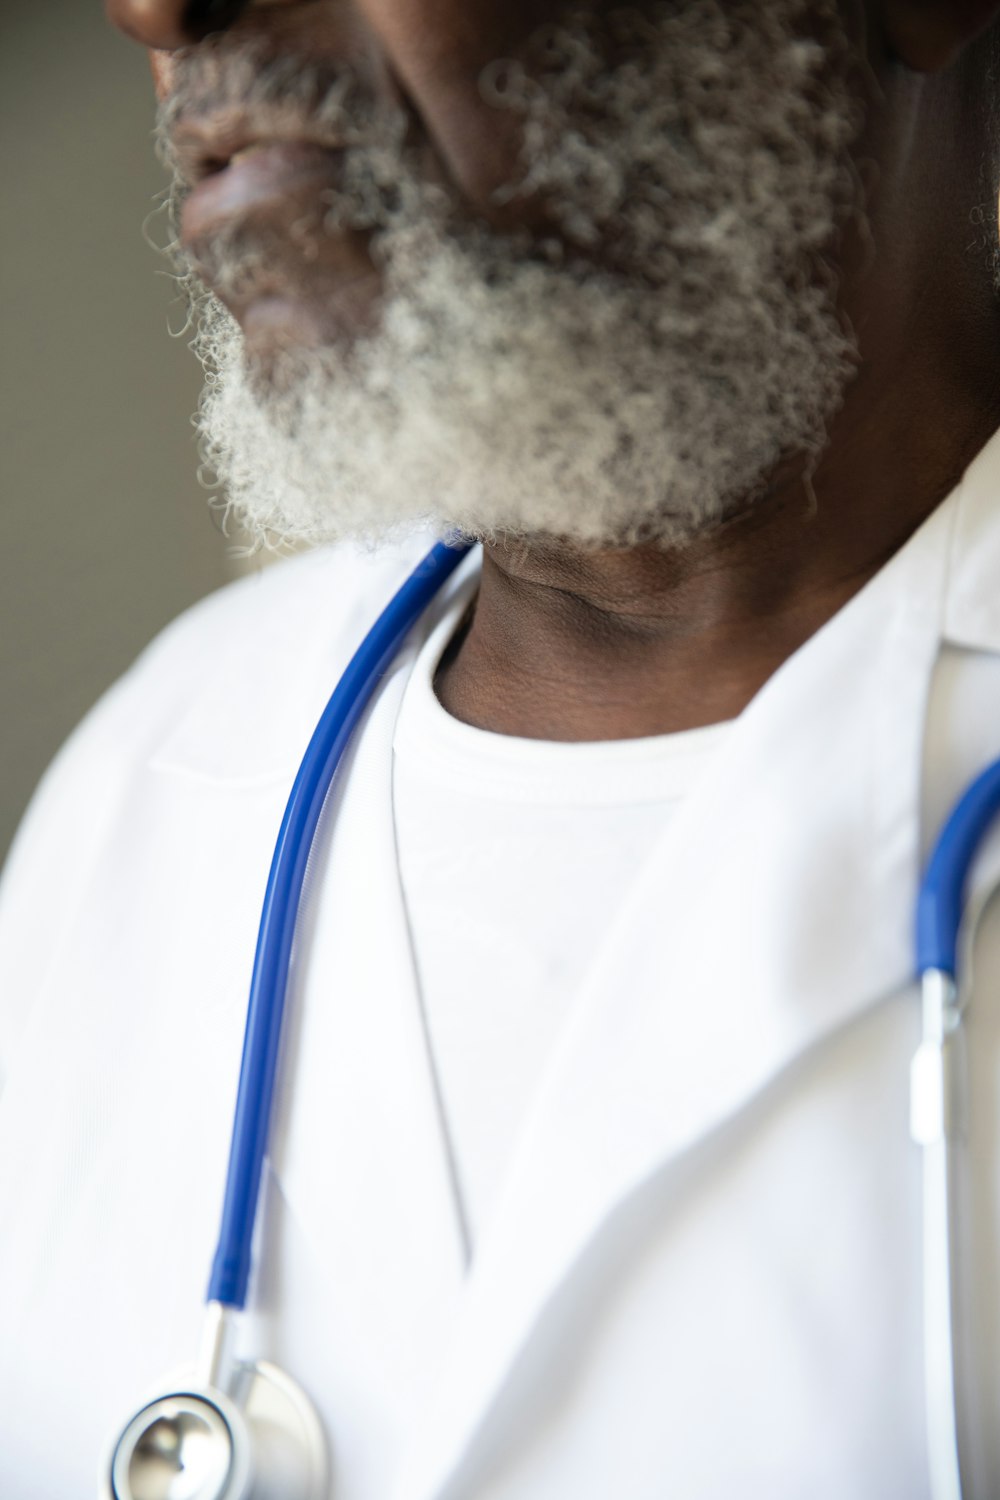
359	1150
775	910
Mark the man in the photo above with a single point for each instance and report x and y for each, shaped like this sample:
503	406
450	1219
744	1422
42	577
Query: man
591	1174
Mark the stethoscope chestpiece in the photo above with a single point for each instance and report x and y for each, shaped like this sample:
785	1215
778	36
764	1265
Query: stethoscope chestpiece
258	1439
185	1445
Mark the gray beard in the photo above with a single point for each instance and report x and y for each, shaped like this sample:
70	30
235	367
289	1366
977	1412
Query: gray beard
513	388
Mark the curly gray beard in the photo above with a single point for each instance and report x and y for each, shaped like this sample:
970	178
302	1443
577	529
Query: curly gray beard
518	388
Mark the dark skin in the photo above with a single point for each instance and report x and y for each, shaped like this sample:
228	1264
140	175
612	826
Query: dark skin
567	644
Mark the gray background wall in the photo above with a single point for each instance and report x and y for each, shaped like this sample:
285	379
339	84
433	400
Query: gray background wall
106	534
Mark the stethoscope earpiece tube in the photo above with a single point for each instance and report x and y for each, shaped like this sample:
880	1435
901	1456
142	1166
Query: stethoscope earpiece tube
937	1105
942	890
231	1263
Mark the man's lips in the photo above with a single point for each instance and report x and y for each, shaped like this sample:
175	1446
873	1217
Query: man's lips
255	229
261	179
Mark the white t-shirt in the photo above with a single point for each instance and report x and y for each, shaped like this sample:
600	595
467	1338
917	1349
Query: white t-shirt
514	856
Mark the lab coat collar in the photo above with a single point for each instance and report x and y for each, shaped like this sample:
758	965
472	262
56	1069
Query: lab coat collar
229	736
289	632
972	596
775	911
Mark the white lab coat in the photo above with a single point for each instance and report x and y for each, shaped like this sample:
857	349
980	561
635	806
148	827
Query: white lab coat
702	1279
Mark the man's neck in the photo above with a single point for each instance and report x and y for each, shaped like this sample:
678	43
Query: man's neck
573	644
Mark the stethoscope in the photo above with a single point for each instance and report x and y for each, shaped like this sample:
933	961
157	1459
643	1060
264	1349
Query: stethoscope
236	1429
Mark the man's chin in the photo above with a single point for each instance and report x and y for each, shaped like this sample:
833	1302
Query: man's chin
290	294
277	325
280	328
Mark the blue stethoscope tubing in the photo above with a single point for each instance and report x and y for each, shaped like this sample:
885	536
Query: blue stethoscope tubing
937	1106
230	1273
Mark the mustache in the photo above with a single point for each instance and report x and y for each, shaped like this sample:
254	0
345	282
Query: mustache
226	95
222	75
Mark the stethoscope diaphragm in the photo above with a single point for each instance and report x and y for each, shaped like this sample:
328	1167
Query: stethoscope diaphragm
262	1442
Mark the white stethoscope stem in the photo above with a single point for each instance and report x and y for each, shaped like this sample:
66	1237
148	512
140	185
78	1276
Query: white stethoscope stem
939	1326
215	1349
937	1108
